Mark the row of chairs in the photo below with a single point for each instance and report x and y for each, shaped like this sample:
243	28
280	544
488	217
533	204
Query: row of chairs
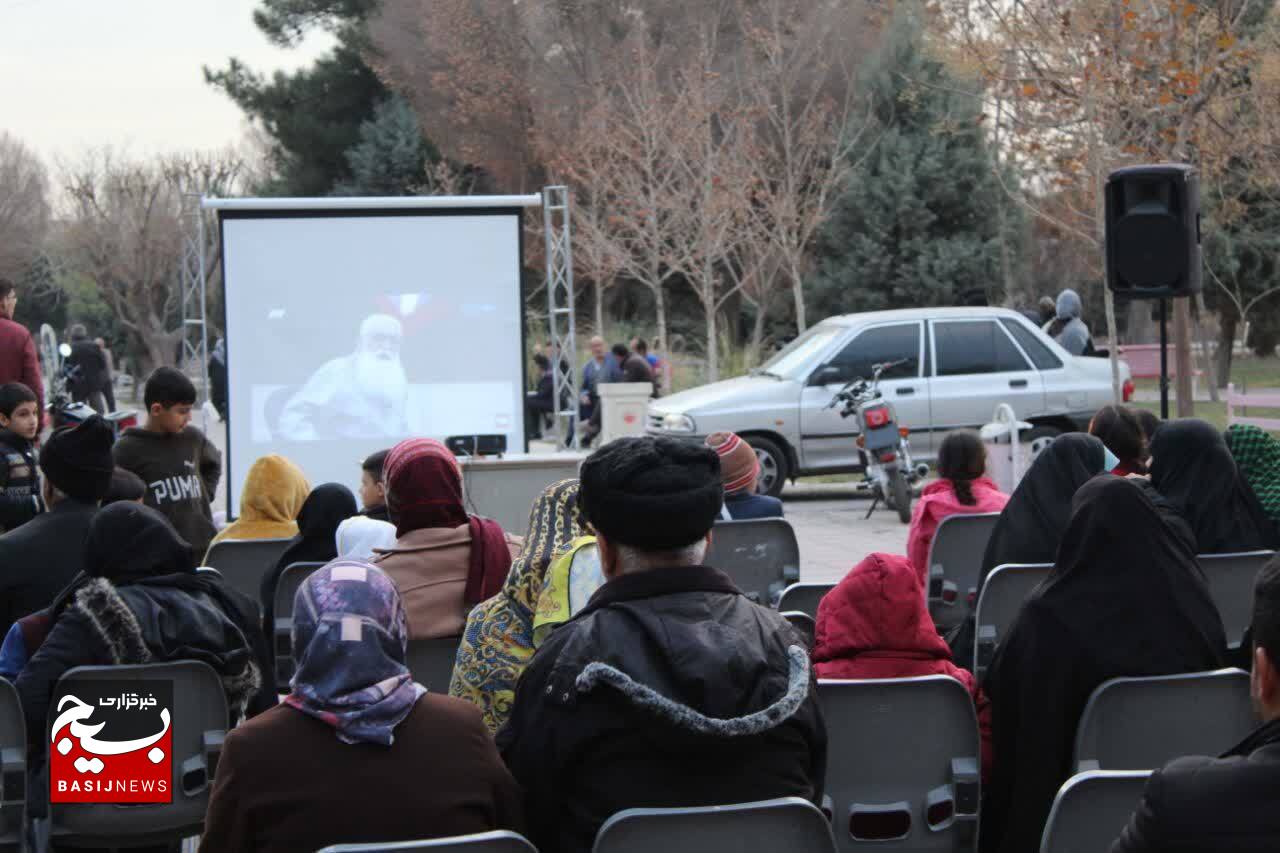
878	790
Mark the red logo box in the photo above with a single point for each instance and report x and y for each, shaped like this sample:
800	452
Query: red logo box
112	742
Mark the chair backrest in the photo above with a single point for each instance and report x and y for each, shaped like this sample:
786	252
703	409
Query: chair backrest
804	597
498	841
199	721
431	662
761	555
1264	401
805	624
955	562
1006	588
1142	723
13	766
1091	809
1231	578
286	588
243	562
787	823
902	763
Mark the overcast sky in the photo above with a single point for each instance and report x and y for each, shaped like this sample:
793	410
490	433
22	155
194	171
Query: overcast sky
77	74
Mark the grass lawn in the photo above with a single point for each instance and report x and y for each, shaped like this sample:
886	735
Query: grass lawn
1250	372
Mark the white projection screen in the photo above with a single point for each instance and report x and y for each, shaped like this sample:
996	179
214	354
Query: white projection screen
349	328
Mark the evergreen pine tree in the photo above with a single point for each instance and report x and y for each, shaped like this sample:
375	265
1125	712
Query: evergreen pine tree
918	222
391	155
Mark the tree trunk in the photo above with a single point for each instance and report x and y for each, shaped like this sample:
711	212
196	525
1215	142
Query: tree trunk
1206	360
1113	351
1226	345
757	334
1182	355
599	288
713	346
797	290
660	308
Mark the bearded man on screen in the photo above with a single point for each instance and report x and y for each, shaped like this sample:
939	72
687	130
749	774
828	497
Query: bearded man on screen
361	395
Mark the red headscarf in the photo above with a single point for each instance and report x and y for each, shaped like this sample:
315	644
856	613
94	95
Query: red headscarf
425	484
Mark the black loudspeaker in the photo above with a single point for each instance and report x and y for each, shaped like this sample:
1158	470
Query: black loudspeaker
1153	231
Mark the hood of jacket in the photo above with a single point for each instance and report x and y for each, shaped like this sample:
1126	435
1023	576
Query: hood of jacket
274	491
877	608
166	618
1068	306
688	650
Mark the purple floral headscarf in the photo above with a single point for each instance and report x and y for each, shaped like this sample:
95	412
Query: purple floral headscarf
349	640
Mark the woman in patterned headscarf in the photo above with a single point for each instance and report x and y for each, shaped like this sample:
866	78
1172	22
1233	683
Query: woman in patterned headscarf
1257	455
498	640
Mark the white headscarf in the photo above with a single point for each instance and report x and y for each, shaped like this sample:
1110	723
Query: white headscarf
359	535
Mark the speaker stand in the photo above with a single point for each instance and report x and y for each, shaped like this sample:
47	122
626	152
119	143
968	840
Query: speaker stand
1164	359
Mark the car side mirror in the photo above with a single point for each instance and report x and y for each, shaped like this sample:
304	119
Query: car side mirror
826	375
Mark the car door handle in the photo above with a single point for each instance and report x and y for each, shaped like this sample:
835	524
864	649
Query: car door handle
904	392
1017	383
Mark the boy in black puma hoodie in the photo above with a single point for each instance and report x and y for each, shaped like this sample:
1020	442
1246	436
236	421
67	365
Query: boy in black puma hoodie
19	477
180	466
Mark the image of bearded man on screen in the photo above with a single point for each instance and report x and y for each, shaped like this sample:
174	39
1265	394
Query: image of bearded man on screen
361	395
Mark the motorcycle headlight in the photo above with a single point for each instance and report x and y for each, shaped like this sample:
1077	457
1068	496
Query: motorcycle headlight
677	423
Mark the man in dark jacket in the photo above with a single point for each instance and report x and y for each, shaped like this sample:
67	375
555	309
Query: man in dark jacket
43	555
670	688
1227	804
87	370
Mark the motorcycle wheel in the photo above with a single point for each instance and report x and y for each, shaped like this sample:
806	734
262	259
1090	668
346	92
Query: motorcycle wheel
901	495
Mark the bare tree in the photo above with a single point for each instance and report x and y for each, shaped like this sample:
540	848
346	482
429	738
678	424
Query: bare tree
24	205
124	230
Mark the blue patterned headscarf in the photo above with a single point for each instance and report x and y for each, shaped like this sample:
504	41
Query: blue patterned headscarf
349	640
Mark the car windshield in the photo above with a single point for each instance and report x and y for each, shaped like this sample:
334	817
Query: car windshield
796	359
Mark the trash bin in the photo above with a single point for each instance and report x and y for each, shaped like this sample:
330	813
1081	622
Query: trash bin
1008	455
626	405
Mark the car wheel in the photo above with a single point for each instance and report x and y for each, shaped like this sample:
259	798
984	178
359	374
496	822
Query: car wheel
1039	438
774	468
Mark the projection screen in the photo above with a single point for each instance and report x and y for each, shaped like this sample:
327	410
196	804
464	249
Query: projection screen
354	323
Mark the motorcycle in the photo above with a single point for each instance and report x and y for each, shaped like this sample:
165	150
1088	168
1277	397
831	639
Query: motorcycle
62	409
882	444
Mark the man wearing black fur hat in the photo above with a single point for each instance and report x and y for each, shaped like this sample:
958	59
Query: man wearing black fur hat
42	556
670	688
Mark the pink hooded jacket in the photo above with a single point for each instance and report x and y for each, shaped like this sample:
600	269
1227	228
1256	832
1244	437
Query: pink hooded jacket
937	501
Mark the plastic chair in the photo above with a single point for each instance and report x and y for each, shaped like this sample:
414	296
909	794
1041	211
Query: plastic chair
787	823
498	841
803	623
1143	723
1002	596
955	562
243	562
13	767
1231	578
199	724
291	579
902	763
1091	809
804	597
761	555
431	662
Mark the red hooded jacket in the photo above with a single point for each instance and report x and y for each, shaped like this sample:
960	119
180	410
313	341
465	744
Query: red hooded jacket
875	624
937	501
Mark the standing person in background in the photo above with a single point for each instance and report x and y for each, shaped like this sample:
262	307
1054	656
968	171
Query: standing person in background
87	370
599	368
18	361
218	378
640	348
632	368
1066	327
180	466
1047	310
108	385
373	491
19	477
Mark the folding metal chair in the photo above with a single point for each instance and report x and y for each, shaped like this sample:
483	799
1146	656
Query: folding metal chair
955	563
1091	809
787	823
761	555
243	562
498	841
291	579
1231	578
1002	596
431	661
804	597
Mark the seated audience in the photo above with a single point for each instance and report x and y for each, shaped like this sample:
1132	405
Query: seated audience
963	487
875	624
328	505
42	556
1031	524
1257	455
540	402
1120	430
1193	470
740	473
142	601
1150	423
19	476
670	688
362	537
273	494
1125	598
373	494
444	561
1206	805
358	751
126	487
499	637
